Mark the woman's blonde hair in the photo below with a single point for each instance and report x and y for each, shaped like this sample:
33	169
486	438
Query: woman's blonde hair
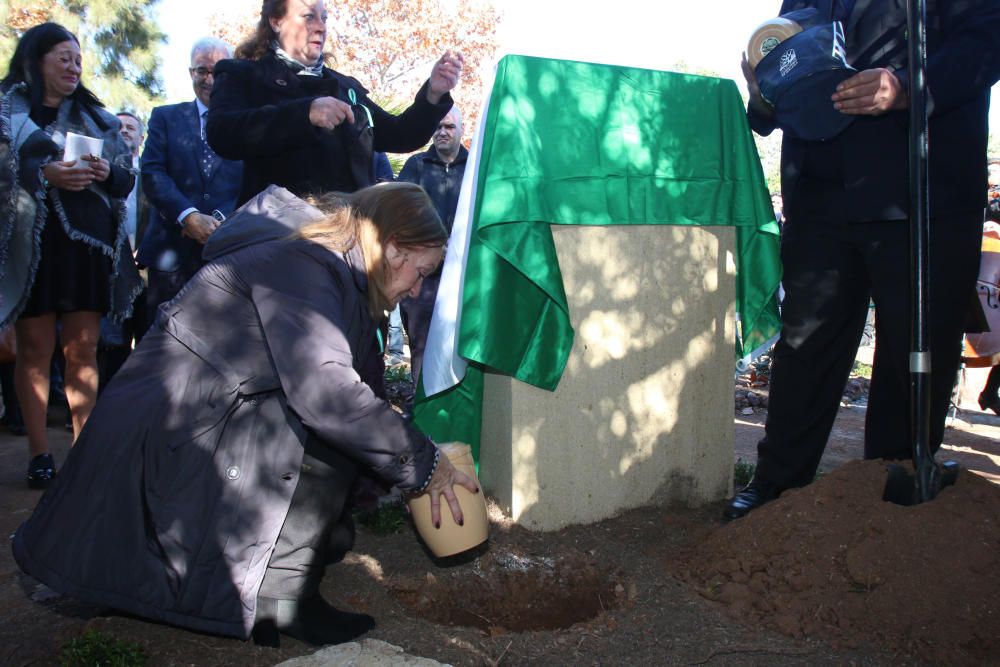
398	212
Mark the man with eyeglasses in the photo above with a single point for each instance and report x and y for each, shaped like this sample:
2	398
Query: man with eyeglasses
190	186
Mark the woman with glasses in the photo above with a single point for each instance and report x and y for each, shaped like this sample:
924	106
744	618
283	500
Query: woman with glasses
301	125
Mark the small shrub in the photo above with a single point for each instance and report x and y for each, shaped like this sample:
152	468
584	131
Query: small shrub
742	472
400	373
95	649
386	519
862	369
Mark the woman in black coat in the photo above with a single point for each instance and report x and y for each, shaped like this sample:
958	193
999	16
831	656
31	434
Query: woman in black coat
303	126
211	485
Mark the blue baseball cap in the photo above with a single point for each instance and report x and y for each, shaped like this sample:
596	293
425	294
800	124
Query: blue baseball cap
799	76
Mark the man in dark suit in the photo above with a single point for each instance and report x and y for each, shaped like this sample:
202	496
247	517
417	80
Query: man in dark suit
846	233
185	181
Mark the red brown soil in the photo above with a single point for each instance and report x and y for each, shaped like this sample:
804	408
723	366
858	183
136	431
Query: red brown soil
504	592
834	561
827	575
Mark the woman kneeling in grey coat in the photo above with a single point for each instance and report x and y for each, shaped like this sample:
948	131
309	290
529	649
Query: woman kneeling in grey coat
210	487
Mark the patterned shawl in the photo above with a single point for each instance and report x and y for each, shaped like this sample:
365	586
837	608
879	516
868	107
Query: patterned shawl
25	149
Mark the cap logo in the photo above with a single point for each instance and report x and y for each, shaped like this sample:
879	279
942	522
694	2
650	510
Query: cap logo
788	62
768	45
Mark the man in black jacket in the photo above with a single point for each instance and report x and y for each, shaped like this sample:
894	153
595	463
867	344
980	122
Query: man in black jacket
846	234
439	171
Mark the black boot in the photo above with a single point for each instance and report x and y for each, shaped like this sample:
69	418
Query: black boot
311	620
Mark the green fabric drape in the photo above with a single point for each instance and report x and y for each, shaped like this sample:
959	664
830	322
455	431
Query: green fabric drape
572	143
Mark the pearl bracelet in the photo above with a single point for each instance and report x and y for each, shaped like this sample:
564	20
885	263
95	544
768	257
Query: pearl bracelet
423	487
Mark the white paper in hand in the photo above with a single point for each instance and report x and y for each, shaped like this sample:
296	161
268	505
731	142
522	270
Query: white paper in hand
78	145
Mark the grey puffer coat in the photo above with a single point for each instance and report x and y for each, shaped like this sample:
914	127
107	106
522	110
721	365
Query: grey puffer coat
169	504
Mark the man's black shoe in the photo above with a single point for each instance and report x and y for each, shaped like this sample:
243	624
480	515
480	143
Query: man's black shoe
753	495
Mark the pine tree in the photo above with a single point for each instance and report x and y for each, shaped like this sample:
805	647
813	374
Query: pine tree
119	40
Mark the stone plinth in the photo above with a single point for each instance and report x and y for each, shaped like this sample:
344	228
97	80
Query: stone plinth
644	411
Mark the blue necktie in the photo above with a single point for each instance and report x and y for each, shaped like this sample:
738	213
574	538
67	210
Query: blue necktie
208	156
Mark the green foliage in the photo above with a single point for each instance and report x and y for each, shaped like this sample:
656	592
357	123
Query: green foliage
742	472
119	40
386	519
95	649
400	373
395	107
769	150
862	369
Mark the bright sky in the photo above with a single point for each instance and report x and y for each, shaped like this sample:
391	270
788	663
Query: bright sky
705	35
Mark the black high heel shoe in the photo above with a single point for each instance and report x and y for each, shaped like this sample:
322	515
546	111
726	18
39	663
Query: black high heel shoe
41	471
311	620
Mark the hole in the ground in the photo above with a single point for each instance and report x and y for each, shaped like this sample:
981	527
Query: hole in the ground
514	593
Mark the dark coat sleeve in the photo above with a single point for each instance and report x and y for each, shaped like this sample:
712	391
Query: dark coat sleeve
239	130
305	313
411	129
37	151
761	123
157	183
967	60
119	182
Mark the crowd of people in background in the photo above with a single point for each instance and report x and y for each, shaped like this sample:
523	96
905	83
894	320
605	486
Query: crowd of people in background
180	189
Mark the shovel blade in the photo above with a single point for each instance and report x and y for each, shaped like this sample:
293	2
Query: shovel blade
900	487
903	488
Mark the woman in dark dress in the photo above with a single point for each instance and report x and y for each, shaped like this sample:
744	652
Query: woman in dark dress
212	485
64	252
303	126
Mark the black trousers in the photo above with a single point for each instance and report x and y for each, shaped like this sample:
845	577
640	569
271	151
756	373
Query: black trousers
831	270
318	529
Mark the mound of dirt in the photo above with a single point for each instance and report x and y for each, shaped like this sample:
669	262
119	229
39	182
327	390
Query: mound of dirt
833	561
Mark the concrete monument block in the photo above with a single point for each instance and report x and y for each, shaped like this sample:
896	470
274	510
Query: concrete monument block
644	411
